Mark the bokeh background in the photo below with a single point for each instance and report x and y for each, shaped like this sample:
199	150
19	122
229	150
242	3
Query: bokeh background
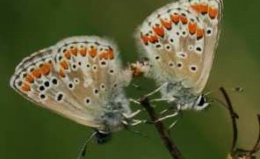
29	132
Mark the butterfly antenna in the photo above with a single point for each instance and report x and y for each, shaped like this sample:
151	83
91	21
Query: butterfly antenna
83	149
234	89
257	145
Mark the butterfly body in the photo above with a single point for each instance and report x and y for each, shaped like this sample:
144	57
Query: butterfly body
180	41
80	78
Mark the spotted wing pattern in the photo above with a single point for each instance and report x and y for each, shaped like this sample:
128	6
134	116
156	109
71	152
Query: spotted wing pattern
180	40
75	78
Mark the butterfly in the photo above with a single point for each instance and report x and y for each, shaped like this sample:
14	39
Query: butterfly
180	41
80	78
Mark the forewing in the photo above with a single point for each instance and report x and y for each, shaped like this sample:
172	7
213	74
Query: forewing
180	40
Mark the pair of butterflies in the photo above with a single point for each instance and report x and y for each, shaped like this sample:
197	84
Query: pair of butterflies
81	78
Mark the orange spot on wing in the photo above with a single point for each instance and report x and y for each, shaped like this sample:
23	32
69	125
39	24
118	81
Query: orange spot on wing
107	55
145	39
61	73
83	51
175	18
204	8
110	54
196	8
102	56
26	88
36	73
167	25
184	19
29	78
74	51
64	64
46	69
159	31
200	33
93	52
153	39
67	55
192	28
213	13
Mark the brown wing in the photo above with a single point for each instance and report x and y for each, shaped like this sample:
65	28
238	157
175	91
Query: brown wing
180	40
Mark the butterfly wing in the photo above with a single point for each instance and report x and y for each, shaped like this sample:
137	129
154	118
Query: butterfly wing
180	40
91	68
58	78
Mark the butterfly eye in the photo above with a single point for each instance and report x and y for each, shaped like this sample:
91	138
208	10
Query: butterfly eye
201	103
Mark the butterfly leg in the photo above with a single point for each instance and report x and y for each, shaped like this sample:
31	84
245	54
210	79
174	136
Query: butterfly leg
156	90
168	116
175	122
132	115
134	101
83	149
168	110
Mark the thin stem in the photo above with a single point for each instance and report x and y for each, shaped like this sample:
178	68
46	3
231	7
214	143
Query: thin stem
168	142
233	116
257	145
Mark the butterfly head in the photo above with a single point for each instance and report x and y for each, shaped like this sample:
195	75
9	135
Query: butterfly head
201	103
102	137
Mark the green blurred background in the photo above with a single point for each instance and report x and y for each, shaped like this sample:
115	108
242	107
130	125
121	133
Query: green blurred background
29	132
